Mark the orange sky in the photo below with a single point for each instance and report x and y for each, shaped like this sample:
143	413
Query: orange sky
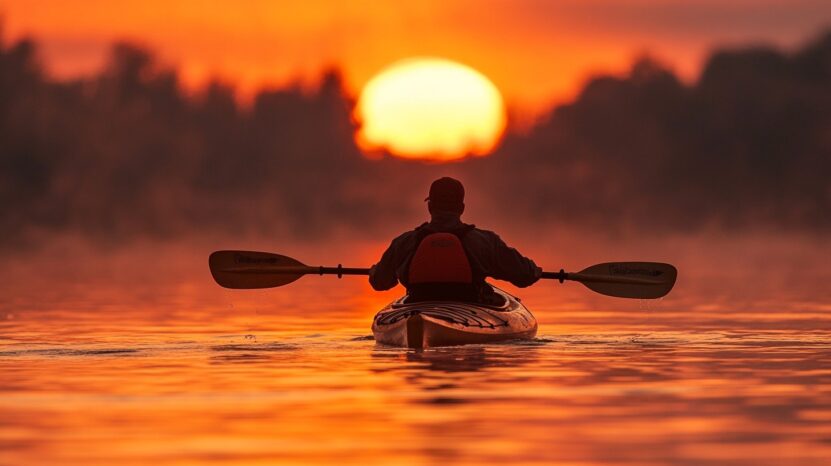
536	51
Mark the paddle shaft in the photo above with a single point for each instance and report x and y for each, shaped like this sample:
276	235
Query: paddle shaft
341	271
301	270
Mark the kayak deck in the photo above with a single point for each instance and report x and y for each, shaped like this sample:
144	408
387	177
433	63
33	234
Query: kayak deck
444	323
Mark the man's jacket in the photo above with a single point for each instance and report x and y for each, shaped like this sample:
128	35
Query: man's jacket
489	256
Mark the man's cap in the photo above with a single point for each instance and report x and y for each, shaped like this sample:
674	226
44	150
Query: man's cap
447	191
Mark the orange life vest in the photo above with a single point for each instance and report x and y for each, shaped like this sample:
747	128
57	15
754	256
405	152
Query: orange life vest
440	258
440	268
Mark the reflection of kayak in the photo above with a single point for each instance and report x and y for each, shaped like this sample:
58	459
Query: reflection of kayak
447	323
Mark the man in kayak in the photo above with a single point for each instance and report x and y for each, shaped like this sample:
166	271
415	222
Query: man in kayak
448	259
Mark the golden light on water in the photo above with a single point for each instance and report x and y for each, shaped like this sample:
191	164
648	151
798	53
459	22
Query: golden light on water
430	108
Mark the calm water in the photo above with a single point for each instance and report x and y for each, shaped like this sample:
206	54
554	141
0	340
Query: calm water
196	375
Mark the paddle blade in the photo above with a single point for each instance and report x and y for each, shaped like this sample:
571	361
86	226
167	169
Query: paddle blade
641	280
251	269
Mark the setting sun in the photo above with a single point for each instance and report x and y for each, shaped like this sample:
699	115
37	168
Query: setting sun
429	108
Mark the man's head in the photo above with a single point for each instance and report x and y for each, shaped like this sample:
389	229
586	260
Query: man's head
446	195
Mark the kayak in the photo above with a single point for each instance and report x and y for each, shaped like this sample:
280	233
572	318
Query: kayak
448	323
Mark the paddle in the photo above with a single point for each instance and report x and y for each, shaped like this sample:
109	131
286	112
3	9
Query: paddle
642	280
251	269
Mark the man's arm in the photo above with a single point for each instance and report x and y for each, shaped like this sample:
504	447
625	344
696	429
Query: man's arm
512	266
382	276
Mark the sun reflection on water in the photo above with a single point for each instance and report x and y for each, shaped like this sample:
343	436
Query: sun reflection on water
98	373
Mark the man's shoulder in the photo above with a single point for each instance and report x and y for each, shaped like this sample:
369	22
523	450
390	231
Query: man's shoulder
483	233
407	235
482	237
472	231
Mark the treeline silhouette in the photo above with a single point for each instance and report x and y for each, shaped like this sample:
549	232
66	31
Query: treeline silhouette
748	145
128	152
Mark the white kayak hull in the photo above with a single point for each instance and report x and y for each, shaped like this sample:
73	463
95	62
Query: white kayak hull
447	323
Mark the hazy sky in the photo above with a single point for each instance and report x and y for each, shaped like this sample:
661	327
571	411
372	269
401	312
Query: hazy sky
129	154
536	51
